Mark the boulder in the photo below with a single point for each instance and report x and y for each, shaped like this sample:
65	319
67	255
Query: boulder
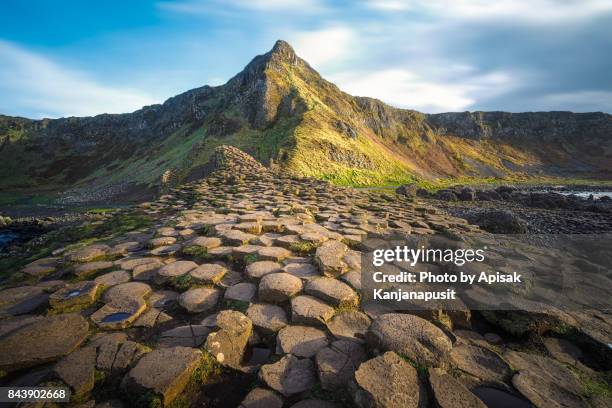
262	398
259	269
228	344
165	372
41	267
242	292
446	195
267	318
78	294
130	264
161	241
7	325
208	273
113	278
467	194
408	190
412	336
350	325
175	270
332	291
304	271
192	335
329	257
563	350
337	363
450	393
544	393
108	344
386	381
205	242
545	368
278	287
301	341
276	254
119	314
126	292
91	268
481	363
289	376
308	310
152	317
199	300
77	370
88	253
499	222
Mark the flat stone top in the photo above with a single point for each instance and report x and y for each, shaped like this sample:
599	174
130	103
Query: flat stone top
389	381
126	291
175	269
43	341
163	370
260	268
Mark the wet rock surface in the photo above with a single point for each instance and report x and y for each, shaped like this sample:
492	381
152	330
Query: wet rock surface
245	286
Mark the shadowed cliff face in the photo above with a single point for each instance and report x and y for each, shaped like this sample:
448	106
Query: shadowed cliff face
280	110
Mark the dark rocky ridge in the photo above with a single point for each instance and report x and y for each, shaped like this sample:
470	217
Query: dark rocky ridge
517	210
546	125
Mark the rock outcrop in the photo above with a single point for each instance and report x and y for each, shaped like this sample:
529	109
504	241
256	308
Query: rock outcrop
255	301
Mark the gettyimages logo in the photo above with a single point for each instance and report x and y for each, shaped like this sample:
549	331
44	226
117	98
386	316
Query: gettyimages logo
486	272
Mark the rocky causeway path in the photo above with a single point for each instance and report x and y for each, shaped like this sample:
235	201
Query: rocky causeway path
244	292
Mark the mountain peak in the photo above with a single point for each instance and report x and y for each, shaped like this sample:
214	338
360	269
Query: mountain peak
284	50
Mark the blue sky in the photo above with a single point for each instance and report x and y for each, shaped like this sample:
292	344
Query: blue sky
72	57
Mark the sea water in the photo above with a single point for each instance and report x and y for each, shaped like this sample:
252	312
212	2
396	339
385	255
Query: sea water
582	194
6	238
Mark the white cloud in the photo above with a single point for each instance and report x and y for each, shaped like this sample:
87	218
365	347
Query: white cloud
205	7
33	83
324	46
526	10
403	88
389	5
578	101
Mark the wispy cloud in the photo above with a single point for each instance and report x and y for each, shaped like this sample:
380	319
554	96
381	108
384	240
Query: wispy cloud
324	46
31	82
579	101
403	88
212	7
512	10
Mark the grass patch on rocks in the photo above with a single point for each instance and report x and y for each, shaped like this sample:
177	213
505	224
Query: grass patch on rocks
303	247
250	258
207	372
420	368
598	384
183	283
197	253
237	305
